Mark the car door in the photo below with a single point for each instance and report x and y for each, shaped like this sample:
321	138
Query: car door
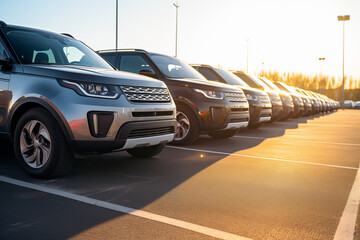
5	94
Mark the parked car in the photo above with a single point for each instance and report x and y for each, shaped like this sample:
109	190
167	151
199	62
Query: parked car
349	104
315	105
202	106
58	98
286	99
259	101
254	82
306	100
297	100
357	105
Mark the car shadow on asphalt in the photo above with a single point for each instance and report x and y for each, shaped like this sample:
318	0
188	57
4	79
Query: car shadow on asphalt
121	179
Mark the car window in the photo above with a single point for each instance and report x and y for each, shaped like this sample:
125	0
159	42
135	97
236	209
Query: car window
209	74
174	68
133	63
3	54
40	47
50	56
111	58
230	78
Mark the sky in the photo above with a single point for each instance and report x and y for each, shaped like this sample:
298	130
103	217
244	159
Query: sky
282	35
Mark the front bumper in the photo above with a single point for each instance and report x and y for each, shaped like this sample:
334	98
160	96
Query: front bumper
288	111
131	135
260	113
95	124
277	111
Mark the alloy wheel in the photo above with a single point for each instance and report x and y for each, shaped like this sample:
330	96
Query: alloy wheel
35	144
183	126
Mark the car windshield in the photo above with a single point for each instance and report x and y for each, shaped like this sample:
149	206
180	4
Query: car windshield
40	47
252	81
230	78
174	68
285	87
258	82
270	84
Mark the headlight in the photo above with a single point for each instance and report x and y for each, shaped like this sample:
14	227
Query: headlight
92	89
210	94
252	97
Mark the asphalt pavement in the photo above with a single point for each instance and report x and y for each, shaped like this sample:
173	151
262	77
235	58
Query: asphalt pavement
287	180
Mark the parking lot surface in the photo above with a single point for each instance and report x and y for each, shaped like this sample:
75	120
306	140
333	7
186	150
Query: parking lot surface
286	180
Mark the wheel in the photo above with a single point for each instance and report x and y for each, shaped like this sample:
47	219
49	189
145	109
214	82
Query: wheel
188	128
40	146
254	126
146	152
223	133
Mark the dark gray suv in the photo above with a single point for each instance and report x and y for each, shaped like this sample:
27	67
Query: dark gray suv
58	98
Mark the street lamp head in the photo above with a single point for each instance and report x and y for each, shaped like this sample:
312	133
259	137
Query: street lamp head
344	18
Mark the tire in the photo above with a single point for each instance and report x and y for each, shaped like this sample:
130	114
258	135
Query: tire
39	139
146	152
223	134
254	126
188	129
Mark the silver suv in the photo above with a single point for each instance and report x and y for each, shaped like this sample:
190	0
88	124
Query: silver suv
59	99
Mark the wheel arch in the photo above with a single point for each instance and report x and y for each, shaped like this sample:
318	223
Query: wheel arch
189	104
25	104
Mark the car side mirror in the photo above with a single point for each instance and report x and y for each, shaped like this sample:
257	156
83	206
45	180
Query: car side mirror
6	64
148	73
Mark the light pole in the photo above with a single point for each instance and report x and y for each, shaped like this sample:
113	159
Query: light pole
176	34
321	59
247	55
343	18
116	37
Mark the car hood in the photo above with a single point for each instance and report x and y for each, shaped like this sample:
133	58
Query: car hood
203	84
91	74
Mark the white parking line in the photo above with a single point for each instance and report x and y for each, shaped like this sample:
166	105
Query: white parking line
259	157
346	227
299	139
123	209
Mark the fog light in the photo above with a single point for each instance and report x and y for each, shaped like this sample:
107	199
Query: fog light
100	123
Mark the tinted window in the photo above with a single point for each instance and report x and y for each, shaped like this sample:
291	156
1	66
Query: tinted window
3	54
208	74
230	78
111	59
133	63
279	85
247	80
270	84
174	68
40	47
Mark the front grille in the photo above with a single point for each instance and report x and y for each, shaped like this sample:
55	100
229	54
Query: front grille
150	132
146	94
264	98
152	114
235	97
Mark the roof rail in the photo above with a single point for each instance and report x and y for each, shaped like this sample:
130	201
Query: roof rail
67	34
123	49
3	24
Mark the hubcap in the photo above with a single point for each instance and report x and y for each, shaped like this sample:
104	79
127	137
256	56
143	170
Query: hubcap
183	126
35	144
